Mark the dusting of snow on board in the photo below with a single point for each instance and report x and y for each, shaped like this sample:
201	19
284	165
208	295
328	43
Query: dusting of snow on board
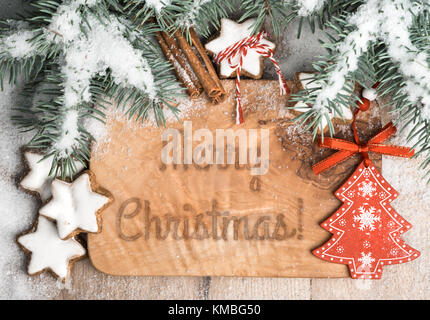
100	130
187	108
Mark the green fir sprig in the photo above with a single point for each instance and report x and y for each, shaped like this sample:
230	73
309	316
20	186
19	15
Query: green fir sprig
361	43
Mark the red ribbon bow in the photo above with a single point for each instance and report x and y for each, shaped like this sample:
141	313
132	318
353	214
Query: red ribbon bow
240	49
347	149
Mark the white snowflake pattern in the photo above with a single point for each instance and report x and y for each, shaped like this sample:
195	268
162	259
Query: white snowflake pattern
391	224
340	249
367	218
382	195
394	252
366	259
350	194
366	173
367	189
366	244
342	222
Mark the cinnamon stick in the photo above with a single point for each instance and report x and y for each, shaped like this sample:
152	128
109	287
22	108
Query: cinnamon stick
209	66
185	76
209	84
174	48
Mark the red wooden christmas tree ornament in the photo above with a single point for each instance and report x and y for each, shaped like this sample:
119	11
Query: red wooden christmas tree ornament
366	229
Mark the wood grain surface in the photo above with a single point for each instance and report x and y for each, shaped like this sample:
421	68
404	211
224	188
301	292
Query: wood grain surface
406	281
216	220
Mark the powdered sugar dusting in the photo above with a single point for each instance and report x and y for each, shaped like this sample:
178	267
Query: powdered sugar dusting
264	95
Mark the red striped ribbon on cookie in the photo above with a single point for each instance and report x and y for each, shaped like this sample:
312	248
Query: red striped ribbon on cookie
240	49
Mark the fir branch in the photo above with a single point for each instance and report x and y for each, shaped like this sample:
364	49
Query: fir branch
79	53
281	13
143	11
200	14
380	41
275	10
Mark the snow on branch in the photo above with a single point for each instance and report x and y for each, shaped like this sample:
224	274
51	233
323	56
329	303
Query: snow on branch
349	52
307	7
378	40
100	47
103	46
157	5
396	20
17	44
200	14
188	19
90	45
390	22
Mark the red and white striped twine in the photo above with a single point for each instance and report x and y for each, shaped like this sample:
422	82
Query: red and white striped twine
241	49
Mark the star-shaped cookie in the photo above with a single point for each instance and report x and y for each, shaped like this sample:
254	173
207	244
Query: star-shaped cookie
75	206
305	82
48	251
38	179
230	33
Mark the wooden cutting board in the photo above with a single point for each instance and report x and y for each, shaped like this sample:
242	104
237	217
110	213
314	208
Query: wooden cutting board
217	219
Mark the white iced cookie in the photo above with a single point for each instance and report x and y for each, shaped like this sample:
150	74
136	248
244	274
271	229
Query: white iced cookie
305	82
75	206
230	33
38	179
48	251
